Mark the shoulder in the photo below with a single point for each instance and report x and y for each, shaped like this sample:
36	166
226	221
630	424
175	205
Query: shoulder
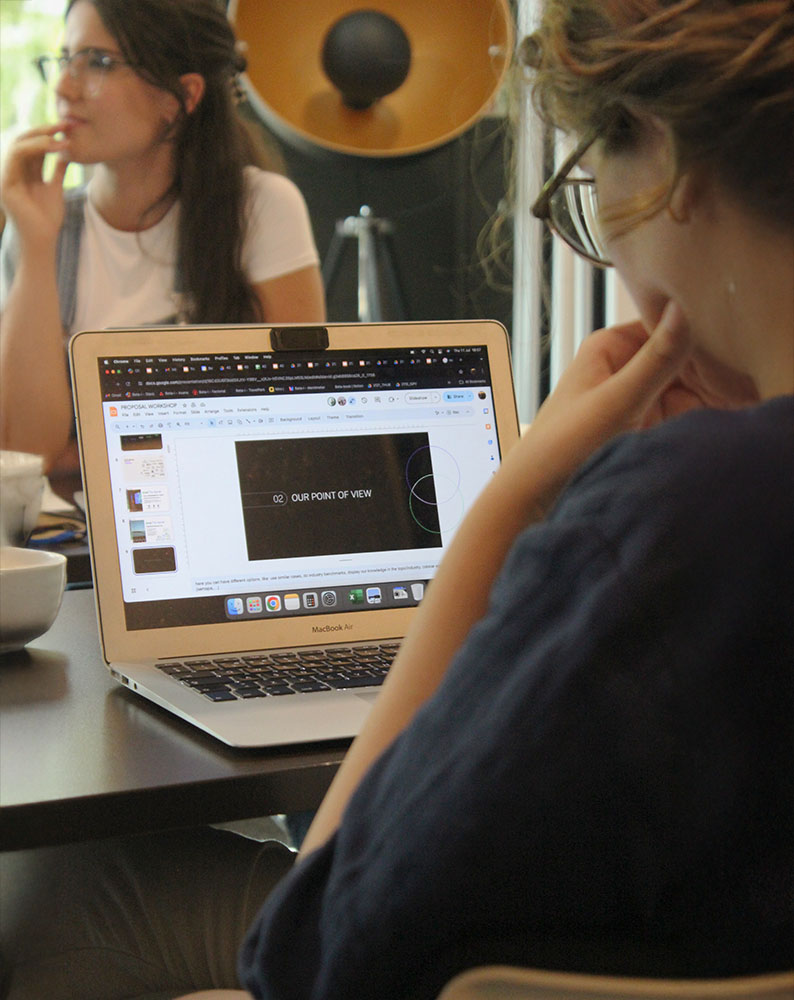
279	237
752	435
269	190
705	469
667	527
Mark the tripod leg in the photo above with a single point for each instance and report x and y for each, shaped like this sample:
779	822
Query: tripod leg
332	259
392	275
369	298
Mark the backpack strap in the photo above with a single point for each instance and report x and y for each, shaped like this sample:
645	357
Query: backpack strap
67	253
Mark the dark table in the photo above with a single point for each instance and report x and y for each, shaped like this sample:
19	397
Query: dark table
82	758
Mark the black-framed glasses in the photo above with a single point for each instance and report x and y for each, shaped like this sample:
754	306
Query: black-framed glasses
569	206
89	66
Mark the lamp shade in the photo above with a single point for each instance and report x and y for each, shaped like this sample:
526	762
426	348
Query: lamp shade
459	55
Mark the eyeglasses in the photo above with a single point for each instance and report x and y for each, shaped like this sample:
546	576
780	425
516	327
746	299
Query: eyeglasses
569	206
90	67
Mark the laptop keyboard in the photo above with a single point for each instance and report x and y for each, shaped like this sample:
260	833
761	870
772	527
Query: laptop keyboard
269	675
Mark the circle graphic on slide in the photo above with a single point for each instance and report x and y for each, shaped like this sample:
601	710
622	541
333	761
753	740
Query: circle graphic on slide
435	496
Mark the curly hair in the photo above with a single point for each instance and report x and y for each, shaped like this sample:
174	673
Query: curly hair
164	39
720	73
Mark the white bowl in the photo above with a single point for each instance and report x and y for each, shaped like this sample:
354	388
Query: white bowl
31	587
21	489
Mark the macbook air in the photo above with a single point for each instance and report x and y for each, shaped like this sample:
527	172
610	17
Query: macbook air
268	506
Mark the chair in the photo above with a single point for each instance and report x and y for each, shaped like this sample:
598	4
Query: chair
217	995
498	982
502	982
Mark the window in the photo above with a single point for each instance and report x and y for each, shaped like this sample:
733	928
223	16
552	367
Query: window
28	28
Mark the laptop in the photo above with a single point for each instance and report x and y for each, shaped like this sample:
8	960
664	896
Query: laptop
267	506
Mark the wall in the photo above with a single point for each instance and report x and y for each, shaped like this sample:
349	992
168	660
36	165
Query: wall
437	202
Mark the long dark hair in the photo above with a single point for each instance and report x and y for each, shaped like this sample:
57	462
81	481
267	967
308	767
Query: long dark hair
163	39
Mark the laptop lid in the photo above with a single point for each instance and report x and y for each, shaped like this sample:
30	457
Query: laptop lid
255	488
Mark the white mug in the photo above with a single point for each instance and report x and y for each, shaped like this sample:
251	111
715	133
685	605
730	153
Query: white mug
21	490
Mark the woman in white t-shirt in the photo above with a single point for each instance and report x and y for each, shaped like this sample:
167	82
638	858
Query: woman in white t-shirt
178	223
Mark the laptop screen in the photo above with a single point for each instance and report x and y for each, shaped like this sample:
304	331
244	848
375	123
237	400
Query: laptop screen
282	484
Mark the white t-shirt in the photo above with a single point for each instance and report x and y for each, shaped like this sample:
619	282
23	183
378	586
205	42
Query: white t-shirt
128	278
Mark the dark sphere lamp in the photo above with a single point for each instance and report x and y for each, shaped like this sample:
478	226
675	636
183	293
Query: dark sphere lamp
413	74
366	55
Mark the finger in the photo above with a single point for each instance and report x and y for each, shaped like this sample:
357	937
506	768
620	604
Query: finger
31	150
671	339
37	144
52	129
656	363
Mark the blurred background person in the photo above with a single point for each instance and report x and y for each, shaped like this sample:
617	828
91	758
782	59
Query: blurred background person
180	221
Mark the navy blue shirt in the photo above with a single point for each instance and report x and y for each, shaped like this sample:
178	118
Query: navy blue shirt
604	780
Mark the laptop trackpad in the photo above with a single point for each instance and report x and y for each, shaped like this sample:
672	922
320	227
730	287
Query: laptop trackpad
368	696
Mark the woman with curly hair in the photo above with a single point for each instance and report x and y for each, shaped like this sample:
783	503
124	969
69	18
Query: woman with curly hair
582	756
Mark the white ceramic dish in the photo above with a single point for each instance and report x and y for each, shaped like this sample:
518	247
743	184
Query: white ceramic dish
31	588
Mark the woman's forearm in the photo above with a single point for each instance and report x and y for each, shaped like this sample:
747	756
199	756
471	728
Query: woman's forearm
35	396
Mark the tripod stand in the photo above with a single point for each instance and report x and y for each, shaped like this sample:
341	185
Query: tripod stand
377	269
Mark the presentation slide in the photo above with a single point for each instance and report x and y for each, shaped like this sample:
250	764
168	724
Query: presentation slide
363	493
